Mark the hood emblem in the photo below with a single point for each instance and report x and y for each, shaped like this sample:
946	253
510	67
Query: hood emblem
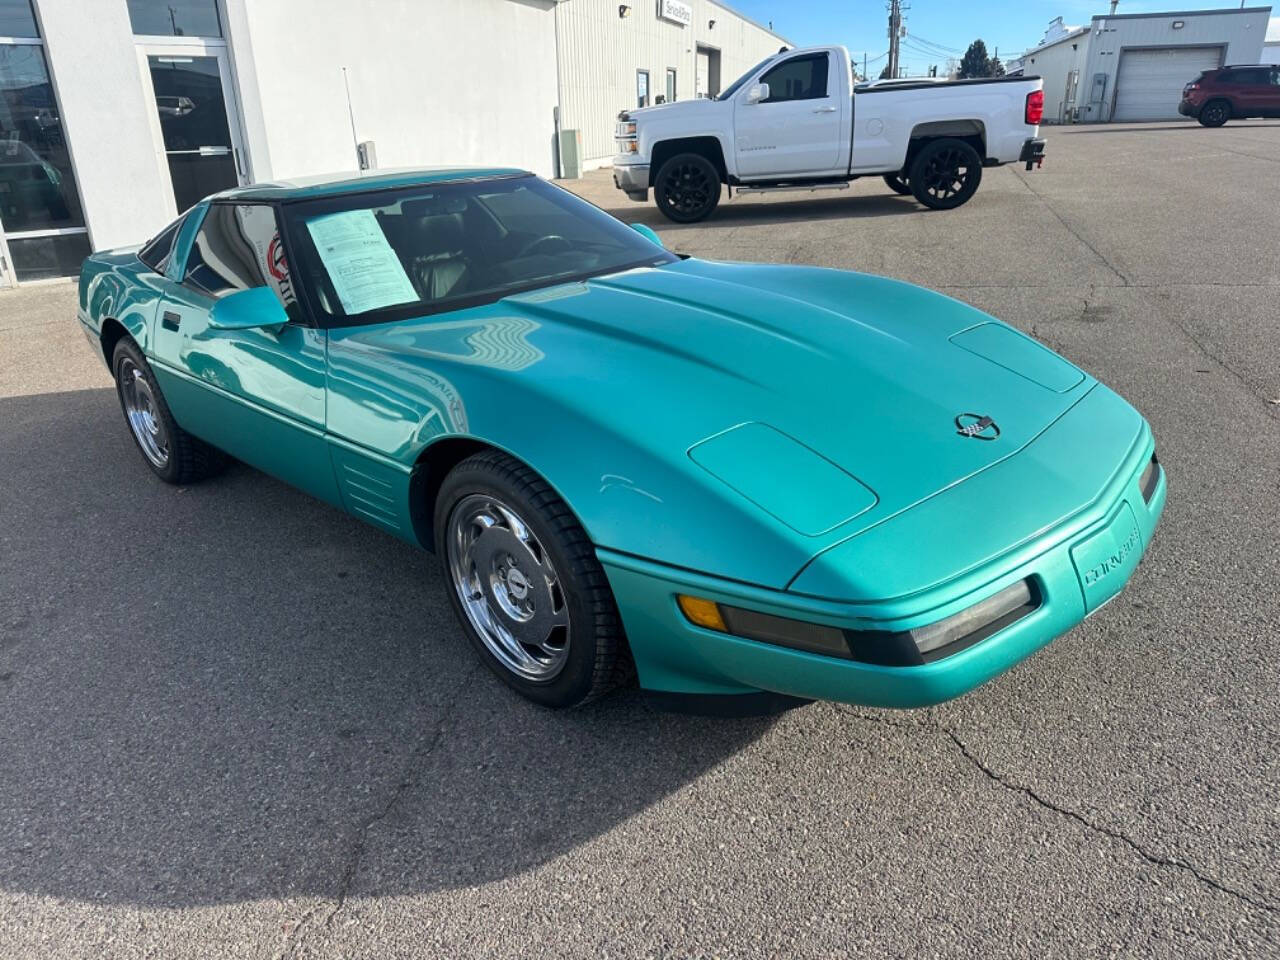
978	427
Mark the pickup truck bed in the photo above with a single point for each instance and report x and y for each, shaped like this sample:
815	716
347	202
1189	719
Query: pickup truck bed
797	121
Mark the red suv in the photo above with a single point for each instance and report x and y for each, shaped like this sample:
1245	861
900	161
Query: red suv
1214	97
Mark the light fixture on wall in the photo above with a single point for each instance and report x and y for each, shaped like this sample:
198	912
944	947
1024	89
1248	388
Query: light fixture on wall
711	24
624	10
1179	24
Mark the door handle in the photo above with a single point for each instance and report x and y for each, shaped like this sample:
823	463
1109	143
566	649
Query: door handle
824	110
170	320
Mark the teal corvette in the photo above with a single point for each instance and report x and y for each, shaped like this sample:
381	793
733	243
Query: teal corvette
745	483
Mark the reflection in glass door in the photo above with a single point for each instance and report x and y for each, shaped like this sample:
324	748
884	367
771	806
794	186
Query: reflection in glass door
42	231
200	141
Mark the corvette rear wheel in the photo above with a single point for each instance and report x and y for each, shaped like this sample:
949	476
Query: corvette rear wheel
174	455
945	173
525	582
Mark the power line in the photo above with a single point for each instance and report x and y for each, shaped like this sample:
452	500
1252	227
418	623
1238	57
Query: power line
929	43
925	51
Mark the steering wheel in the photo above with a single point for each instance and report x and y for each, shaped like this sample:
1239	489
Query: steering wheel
550	238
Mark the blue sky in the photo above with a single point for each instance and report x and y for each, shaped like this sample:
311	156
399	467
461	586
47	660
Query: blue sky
1011	25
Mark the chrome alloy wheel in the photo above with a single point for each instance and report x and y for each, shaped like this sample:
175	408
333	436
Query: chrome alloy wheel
508	587
142	412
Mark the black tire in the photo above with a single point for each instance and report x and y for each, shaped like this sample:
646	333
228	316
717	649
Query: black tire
945	173
187	459
596	657
1214	113
898	183
687	188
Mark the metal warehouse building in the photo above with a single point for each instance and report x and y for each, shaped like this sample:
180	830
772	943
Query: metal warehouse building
615	56
117	114
1124	67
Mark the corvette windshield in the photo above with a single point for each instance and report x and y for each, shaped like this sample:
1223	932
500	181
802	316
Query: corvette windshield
418	250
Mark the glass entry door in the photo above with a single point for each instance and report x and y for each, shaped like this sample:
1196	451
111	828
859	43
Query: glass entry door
196	121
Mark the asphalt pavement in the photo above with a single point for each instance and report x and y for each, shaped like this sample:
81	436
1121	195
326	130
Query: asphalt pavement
237	723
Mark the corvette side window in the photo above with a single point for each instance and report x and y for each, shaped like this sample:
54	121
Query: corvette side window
800	78
155	252
236	248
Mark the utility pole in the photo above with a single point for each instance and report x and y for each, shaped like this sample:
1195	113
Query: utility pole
895	30
864	62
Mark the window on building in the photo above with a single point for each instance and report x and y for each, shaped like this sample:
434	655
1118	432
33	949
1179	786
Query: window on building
800	78
671	85
642	88
40	214
175	18
17	19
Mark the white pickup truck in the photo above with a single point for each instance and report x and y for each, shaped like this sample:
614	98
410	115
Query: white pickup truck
796	122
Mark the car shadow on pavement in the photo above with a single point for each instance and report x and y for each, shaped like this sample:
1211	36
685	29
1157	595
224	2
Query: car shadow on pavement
822	206
232	692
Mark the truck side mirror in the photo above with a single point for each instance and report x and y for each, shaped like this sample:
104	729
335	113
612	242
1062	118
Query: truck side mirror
757	93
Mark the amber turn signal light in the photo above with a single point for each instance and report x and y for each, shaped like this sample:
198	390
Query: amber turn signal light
702	613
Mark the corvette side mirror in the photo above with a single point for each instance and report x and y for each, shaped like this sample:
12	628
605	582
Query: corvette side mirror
757	93
648	233
248	309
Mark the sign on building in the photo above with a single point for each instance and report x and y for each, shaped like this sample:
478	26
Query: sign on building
676	11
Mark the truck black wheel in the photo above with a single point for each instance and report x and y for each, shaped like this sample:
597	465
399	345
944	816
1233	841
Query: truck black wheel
898	183
1215	113
945	173
687	188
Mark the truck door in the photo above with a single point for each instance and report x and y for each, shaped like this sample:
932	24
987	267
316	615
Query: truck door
796	130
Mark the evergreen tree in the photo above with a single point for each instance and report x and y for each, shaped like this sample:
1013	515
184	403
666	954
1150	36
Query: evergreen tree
975	62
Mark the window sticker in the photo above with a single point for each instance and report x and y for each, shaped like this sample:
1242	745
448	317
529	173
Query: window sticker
365	271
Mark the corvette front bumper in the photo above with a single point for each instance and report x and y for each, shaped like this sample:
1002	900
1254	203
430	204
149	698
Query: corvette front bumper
1076	568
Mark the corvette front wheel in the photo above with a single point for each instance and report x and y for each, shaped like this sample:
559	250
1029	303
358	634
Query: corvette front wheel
525	582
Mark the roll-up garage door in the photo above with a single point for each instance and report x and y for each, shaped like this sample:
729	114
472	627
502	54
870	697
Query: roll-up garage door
1150	82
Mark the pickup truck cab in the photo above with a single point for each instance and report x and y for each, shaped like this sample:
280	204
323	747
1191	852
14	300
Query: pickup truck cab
795	121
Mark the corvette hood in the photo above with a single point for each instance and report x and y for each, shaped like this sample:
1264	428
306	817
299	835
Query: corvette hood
851	385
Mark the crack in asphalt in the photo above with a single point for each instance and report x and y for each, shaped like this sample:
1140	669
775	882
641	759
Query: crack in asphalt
1005	783
1070	229
1269	404
423	749
1245	153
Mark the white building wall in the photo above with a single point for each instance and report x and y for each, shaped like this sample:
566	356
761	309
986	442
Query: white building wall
433	82
1240	32
1054	64
1270	52
106	119
600	53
